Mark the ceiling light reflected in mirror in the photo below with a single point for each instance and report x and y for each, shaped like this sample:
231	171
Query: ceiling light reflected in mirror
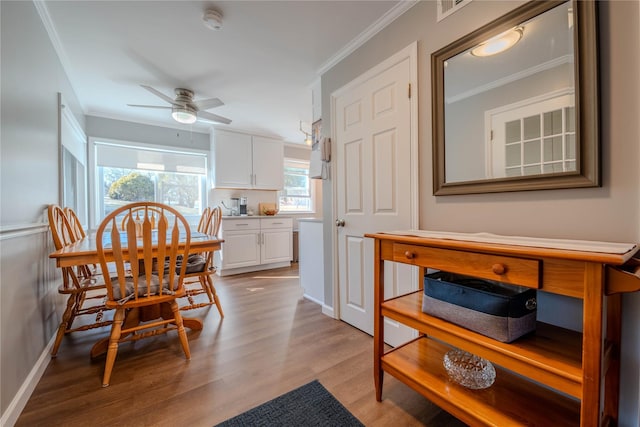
499	43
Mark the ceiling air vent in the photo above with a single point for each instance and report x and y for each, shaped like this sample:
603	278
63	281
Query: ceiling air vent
447	7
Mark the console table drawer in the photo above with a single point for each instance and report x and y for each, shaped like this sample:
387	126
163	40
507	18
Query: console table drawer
518	271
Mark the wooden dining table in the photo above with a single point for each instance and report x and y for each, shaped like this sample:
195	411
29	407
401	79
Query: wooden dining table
84	252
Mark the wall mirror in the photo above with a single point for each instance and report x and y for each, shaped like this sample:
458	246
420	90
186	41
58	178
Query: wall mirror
515	103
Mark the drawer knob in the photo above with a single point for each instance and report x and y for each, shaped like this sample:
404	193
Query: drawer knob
499	269
409	255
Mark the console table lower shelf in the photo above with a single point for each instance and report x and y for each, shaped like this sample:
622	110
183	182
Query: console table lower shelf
509	401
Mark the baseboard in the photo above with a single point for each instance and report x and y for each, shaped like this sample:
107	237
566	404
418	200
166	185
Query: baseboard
231	271
10	416
328	311
312	299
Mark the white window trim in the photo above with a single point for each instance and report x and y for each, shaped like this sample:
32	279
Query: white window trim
312	188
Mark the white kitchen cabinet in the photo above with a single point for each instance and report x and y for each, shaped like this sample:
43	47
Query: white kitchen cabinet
252	244
277	240
240	247
246	161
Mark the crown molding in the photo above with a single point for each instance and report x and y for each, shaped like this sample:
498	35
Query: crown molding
392	14
45	17
556	62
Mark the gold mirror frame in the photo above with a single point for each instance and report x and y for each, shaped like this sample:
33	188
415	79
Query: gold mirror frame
586	101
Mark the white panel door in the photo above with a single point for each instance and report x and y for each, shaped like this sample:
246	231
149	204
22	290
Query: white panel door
373	180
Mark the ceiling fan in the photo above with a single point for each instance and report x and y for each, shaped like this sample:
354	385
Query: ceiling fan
184	109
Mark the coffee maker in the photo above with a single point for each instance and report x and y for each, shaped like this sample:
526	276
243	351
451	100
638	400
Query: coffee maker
243	205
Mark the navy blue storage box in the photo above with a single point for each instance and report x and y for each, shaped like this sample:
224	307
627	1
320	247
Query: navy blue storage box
500	311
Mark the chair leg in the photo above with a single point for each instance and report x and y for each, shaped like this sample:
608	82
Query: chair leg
64	324
116	329
78	302
182	333
205	286
215	295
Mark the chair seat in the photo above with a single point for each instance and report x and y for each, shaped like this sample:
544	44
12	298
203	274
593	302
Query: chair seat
196	263
154	288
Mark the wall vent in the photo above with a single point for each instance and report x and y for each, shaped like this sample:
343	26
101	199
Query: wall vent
447	7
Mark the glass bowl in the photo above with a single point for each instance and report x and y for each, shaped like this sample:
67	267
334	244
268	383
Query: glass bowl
469	370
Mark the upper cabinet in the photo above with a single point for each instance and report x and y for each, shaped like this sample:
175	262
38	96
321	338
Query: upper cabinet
246	161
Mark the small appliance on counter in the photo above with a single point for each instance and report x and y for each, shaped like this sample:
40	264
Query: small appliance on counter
243	206
235	206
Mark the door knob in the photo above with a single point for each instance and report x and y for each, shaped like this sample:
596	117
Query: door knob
339	222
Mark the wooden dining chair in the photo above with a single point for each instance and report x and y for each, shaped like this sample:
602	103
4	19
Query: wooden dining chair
79	233
154	216
145	293
200	267
204	220
85	291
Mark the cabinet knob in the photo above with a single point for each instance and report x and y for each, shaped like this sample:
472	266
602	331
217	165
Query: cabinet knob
499	269
409	255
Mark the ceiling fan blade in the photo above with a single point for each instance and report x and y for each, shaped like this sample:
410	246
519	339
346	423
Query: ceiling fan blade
149	106
205	104
213	117
160	95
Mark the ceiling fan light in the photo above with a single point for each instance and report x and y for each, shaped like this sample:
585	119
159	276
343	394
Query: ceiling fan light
499	43
212	19
183	115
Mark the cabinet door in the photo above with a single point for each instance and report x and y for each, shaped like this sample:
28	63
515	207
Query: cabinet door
277	245
232	159
240	249
268	164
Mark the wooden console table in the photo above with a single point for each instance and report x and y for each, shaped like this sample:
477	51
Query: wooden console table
584	367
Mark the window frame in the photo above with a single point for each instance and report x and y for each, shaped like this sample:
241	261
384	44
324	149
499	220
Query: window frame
93	170
311	197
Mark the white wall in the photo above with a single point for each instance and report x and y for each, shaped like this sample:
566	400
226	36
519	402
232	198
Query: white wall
30	306
610	213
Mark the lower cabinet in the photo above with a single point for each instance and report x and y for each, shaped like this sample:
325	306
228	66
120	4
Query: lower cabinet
252	244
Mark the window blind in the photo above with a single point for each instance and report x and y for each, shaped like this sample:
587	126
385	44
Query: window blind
133	157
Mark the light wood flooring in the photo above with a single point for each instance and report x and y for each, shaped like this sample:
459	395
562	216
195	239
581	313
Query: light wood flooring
271	341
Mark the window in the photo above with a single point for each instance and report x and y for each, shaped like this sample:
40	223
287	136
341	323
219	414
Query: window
532	137
126	173
296	196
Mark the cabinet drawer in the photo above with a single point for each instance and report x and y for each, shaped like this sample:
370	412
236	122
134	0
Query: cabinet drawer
240	224
518	271
276	223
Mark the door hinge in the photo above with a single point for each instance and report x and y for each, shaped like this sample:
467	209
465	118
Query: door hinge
491	134
409	93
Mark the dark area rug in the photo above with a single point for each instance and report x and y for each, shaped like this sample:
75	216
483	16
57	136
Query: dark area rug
309	405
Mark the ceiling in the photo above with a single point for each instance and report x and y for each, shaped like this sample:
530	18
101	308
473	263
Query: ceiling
261	64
